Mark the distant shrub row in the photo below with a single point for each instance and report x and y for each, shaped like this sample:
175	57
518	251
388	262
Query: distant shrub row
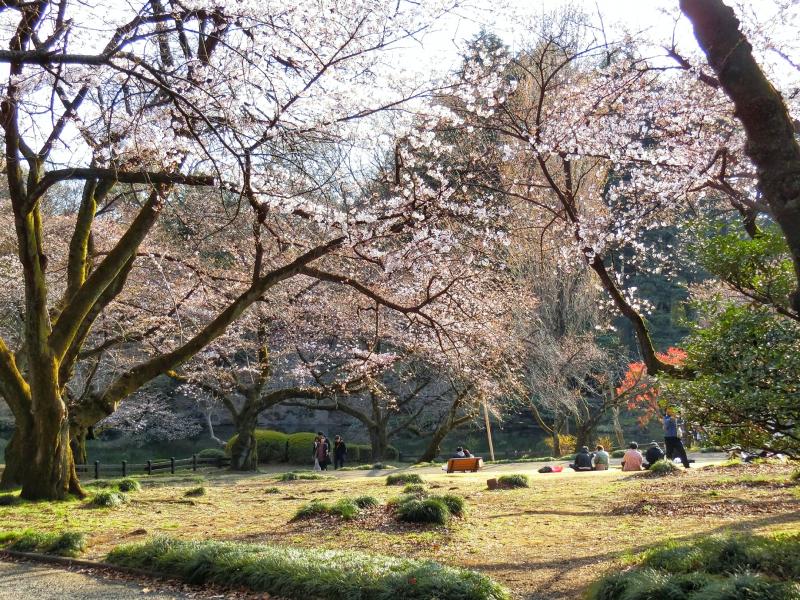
296	448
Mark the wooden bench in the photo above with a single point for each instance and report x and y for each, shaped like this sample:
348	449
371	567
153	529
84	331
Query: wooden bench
464	464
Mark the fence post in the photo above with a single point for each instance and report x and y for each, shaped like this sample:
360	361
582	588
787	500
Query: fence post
194	462
97	469
149	467
172	464
124	468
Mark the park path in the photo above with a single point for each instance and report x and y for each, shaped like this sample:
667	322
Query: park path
33	581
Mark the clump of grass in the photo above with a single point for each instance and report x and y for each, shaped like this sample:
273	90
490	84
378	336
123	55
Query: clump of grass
715	568
513	481
296	475
662	467
345	508
365	501
415	489
427	510
403	479
108	499
306	573
420	465
731	462
272	490
455	504
195	492
128	485
795	476
69	543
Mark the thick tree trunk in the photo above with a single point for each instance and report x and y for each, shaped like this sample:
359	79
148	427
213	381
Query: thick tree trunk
771	142
434	446
77	441
379	441
244	452
49	472
556	437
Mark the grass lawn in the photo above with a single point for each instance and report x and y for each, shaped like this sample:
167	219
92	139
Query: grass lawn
546	541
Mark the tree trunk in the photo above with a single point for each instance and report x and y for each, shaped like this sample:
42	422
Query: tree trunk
15	460
433	449
771	141
77	441
378	441
584	435
556	437
244	451
49	472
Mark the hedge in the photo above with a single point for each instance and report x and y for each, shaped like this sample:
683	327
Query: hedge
271	445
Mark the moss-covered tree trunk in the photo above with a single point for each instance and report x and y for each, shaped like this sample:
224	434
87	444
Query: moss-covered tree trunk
14	460
244	450
77	442
379	441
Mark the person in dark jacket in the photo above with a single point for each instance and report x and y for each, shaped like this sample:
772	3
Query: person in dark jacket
653	455
583	460
322	451
339	452
672	438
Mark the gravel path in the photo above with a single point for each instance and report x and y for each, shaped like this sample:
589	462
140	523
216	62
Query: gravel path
33	581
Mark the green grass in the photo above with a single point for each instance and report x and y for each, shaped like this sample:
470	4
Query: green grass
108	499
661	468
345	508
426	510
403	479
513	481
307	573
366	501
296	475
129	485
713	568
455	504
69	543
195	492
416	489
795	476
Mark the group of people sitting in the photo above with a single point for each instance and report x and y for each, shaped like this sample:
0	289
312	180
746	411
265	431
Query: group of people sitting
594	461
462	452
632	460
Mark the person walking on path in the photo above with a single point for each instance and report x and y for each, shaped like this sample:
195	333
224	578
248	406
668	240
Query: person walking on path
672	438
322	451
339	452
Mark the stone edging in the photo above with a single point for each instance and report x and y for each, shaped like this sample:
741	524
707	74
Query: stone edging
65	561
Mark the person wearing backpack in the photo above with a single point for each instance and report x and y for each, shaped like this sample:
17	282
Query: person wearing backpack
672	437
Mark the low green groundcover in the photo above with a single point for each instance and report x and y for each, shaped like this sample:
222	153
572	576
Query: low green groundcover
715	568
307	573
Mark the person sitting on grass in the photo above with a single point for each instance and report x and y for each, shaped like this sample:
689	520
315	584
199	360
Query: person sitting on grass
653	455
600	459
632	459
583	460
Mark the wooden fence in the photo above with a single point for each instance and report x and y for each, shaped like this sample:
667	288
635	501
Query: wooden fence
164	465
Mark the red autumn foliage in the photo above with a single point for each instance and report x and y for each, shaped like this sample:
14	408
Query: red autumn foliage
643	391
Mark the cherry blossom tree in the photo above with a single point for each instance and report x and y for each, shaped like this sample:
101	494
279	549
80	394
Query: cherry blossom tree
172	114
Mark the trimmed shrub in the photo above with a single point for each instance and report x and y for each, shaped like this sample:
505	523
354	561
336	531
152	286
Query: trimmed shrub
215	453
513	481
365	501
195	492
128	485
108	499
270	446
300	447
618	454
307	573
428	510
455	504
662	467
403	479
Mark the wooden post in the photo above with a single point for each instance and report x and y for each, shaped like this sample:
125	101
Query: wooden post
194	462
149	467
124	468
172	464
97	469
488	431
